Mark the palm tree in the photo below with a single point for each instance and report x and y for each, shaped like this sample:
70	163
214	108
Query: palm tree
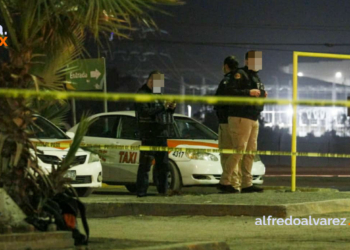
44	36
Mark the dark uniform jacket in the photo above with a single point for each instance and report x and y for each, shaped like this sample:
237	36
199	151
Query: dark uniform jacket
242	82
222	110
154	120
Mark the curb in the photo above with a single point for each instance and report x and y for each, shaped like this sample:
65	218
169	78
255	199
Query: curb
36	241
188	246
320	207
115	209
105	210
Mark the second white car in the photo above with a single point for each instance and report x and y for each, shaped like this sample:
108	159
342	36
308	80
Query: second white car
86	170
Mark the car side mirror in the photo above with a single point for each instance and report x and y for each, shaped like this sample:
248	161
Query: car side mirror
70	135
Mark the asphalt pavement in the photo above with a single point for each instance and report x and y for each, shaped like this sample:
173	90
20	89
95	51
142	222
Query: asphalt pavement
310	171
339	183
238	232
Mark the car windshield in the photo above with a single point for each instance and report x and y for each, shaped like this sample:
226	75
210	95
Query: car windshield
191	129
43	129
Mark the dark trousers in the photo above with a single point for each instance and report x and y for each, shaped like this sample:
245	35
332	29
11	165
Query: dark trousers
160	171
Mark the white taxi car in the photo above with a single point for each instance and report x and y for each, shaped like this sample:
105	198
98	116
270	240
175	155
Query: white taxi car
186	169
86	170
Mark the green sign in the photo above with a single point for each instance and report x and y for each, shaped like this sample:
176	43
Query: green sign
88	74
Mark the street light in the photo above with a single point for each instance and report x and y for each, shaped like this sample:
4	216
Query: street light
338	75
189	110
334	112
290	110
300	74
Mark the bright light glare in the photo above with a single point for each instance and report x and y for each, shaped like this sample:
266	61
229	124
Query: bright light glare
189	108
300	74
334	112
290	111
338	75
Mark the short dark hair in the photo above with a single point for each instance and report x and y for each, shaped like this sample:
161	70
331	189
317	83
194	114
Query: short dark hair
250	53
231	62
152	73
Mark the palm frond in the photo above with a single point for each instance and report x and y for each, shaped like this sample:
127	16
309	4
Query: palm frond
45	37
55	111
80	133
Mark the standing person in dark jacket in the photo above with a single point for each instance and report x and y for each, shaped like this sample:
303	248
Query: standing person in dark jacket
155	122
229	68
243	124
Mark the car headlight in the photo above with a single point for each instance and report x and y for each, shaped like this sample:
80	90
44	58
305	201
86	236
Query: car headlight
94	158
202	156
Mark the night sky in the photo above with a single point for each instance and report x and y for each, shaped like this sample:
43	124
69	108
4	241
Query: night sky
193	42
252	21
203	32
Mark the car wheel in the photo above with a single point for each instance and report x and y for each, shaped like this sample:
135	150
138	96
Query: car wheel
131	188
174	178
84	192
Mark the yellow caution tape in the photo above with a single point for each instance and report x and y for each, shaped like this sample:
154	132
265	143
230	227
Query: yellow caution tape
192	150
124	97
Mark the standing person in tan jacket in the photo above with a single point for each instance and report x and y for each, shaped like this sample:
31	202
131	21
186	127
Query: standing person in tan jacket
243	125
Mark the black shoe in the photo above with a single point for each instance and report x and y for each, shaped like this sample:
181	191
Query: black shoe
163	194
252	189
141	195
221	187
227	189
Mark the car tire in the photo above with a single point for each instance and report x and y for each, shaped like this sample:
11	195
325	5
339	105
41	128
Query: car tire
174	178
131	188
84	192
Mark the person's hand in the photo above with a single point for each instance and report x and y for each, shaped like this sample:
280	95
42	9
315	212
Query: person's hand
169	105
166	104
172	105
265	93
254	92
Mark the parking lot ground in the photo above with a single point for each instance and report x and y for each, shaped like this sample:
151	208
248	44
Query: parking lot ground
341	182
275	201
272	195
238	232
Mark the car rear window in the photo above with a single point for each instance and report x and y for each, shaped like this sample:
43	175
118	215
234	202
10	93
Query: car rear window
191	129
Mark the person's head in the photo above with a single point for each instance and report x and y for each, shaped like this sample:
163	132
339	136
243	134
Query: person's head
230	64
253	59
155	81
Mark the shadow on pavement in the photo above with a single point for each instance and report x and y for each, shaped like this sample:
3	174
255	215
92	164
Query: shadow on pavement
109	244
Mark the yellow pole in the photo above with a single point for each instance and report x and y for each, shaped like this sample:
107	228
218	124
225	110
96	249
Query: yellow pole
294	127
322	55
